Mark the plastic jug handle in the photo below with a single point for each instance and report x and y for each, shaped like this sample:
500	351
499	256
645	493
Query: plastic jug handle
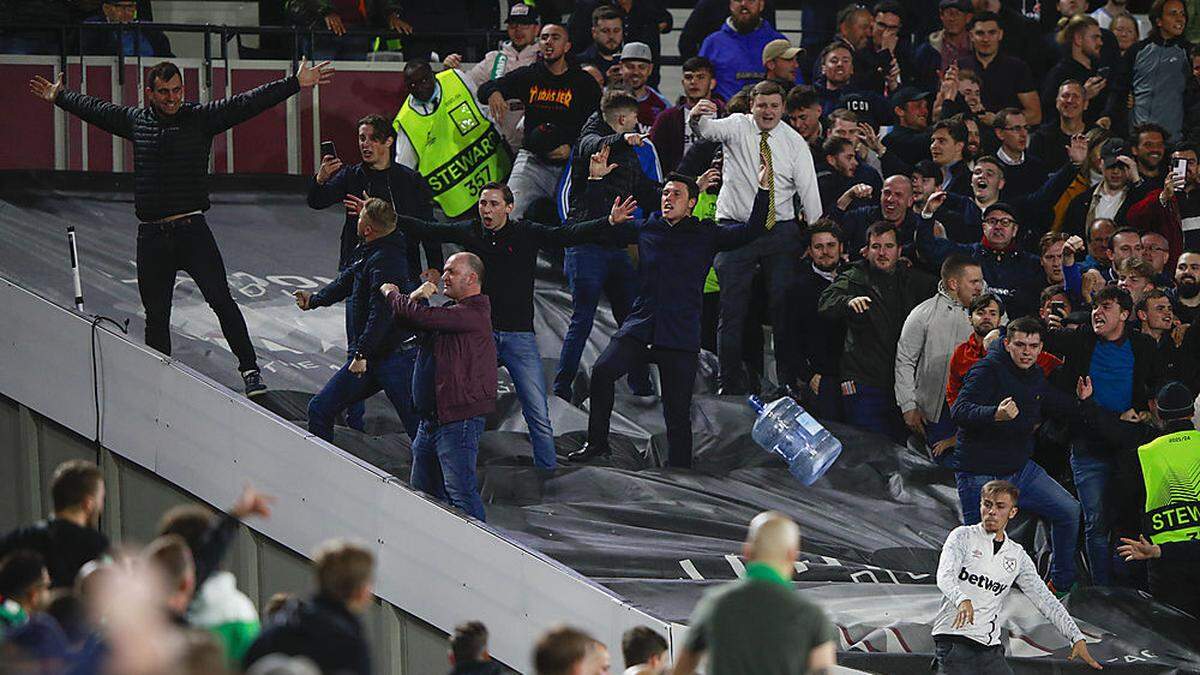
756	403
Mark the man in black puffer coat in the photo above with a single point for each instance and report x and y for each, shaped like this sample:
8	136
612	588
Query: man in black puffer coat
171	145
326	628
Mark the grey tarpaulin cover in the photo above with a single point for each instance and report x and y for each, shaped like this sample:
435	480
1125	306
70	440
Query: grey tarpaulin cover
658	537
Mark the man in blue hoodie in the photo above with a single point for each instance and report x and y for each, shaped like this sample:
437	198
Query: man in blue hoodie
736	49
997	412
382	353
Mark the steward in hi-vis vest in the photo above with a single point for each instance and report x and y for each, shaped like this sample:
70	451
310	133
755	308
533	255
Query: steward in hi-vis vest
457	148
1171	470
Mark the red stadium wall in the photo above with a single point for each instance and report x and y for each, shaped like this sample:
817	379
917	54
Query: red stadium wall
282	140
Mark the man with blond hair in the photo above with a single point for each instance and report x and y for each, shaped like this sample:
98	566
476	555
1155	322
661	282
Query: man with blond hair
978	567
760	624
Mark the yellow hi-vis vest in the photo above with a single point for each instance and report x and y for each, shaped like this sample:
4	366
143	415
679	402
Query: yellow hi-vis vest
458	149
1171	470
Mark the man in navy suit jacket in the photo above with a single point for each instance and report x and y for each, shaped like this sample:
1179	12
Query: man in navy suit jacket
675	252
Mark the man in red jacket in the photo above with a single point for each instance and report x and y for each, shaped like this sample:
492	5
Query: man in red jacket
454	380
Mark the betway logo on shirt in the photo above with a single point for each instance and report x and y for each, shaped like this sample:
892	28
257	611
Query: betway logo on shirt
982	581
542	95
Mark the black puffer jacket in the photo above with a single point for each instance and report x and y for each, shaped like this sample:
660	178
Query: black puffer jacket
170	154
322	629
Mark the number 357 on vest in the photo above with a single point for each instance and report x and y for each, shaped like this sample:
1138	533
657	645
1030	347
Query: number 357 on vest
458	149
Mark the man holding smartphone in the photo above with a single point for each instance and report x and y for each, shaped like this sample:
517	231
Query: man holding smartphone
1173	210
172	141
375	176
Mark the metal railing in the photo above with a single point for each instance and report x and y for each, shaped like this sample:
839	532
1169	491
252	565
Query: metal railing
302	38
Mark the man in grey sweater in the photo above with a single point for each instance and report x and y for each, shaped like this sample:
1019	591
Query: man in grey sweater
928	339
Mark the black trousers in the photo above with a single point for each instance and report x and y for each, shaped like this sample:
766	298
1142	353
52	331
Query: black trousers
163	249
677	369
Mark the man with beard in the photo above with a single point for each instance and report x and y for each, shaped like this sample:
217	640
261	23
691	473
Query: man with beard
520	50
1050	141
1173	211
605	51
736	49
642	21
636	69
559	97
895	207
985	314
1124	369
1149	146
1185	297
909	139
70	538
840	178
779	63
671	133
820	341
928	339
873	296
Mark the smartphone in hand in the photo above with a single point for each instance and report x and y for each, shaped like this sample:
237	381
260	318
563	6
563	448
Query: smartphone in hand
327	149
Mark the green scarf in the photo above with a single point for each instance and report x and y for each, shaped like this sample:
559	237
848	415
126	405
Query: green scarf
764	572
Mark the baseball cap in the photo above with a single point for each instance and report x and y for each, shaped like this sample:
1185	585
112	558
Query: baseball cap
961	5
1000	206
861	106
907	95
522	13
1111	150
777	49
637	51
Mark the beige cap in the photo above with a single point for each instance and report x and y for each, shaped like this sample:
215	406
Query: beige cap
779	49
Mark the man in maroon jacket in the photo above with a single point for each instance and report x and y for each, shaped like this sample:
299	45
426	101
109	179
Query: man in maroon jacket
454	380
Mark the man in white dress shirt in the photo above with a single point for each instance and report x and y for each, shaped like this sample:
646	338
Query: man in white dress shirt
745	138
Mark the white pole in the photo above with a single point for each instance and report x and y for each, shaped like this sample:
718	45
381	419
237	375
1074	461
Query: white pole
75	268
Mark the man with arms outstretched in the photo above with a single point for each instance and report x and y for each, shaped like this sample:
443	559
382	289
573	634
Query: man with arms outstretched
171	145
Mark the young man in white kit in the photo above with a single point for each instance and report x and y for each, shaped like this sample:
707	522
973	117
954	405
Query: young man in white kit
977	569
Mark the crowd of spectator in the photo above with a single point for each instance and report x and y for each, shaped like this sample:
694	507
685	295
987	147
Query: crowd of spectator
72	602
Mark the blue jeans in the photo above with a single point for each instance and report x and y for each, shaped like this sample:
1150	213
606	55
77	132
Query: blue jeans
518	352
391	373
1092	475
875	409
592	269
1042	495
443	463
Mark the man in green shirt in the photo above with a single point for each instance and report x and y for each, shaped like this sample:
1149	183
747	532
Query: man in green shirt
760	624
